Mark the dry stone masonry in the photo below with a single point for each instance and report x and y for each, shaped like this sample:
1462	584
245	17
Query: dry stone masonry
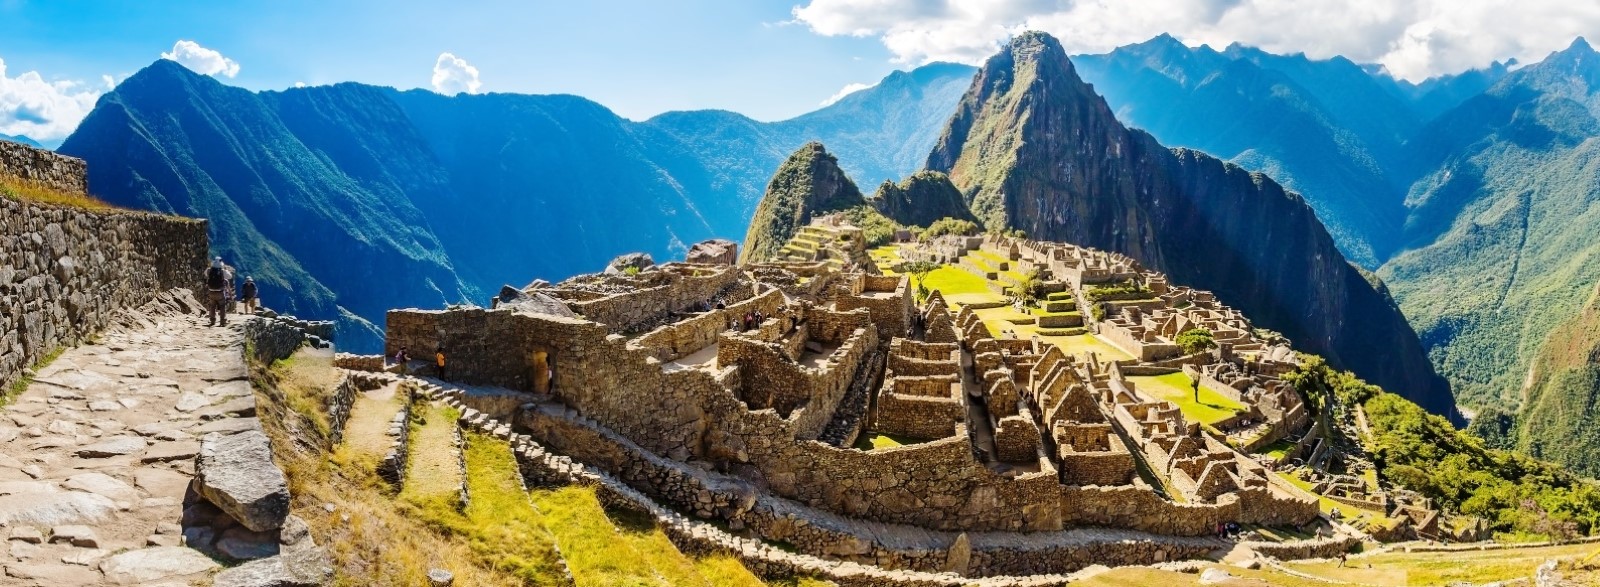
64	272
748	395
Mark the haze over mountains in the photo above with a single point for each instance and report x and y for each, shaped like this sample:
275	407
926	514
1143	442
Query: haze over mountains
1471	195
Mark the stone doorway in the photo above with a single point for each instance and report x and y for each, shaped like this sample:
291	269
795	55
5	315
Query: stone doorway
543	369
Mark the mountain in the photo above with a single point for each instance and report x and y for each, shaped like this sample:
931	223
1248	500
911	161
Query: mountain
22	139
1322	127
921	200
1504	224
345	201
1558	420
1031	146
808	183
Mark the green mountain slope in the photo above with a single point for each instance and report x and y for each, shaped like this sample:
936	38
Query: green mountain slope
1321	128
1559	419
808	184
1506	230
345	201
1033	147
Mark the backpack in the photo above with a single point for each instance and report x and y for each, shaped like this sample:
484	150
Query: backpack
215	279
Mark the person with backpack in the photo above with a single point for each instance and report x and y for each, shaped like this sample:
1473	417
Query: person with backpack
247	294
216	282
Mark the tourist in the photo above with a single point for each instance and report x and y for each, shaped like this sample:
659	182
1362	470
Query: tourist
402	358
216	281
227	291
1195	384
1342	557
438	359
247	294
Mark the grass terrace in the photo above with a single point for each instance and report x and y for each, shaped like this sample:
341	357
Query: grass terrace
1212	407
28	191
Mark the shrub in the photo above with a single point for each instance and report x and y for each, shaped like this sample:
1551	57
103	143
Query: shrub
948	225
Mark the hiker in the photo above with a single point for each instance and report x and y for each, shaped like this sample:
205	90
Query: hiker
216	282
402	358
227	289
438	359
1342	557
247	294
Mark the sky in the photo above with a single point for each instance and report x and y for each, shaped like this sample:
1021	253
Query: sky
768	59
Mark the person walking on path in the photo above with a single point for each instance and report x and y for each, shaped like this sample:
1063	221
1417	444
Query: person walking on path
438	359
247	294
216	281
402	359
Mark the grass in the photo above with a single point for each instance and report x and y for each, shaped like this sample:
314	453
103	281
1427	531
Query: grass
873	441
596	550
1278	449
500	526
1442	568
21	384
433	470
952	281
726	571
307	379
28	191
366	437
369	540
640	532
1212	407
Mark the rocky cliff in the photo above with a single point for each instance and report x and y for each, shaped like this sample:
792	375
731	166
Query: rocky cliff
65	271
807	184
1032	147
921	199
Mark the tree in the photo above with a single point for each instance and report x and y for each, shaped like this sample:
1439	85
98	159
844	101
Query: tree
1196	340
919	271
954	226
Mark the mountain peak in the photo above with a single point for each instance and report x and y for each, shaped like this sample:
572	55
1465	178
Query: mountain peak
807	183
1579	46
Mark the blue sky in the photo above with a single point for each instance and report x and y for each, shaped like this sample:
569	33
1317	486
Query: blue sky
769	59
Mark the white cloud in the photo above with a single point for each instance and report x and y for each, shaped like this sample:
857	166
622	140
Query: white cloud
1414	39
202	60
845	91
45	111
299	84
453	75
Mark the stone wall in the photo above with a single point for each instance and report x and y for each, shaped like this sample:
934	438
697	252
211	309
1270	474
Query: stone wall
689	285
65	271
673	341
58	172
904	410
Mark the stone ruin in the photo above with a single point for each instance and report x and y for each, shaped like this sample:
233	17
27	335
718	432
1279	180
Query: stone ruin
772	381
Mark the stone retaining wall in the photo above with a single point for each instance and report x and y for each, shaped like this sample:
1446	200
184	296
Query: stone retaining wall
58	172
65	271
1302	549
869	556
393	466
674	341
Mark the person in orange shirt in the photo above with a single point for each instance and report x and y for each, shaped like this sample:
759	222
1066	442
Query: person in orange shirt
438	357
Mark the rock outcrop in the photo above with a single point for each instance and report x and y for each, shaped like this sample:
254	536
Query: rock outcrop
921	199
809	183
235	473
1032	147
717	251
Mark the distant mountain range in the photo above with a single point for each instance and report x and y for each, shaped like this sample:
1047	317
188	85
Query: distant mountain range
21	139
348	200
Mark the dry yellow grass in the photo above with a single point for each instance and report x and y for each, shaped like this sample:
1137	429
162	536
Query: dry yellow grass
370	541
434	467
21	189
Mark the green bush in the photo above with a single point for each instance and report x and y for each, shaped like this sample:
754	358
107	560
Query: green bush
954	226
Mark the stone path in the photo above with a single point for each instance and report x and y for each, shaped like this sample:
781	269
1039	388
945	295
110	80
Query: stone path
96	454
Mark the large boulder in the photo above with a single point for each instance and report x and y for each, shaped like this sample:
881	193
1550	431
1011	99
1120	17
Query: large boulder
303	568
717	251
635	261
236	473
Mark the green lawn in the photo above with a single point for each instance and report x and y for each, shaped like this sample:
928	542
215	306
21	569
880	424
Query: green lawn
955	281
1176	388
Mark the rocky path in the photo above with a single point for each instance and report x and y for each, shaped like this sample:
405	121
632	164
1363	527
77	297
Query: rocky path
96	454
